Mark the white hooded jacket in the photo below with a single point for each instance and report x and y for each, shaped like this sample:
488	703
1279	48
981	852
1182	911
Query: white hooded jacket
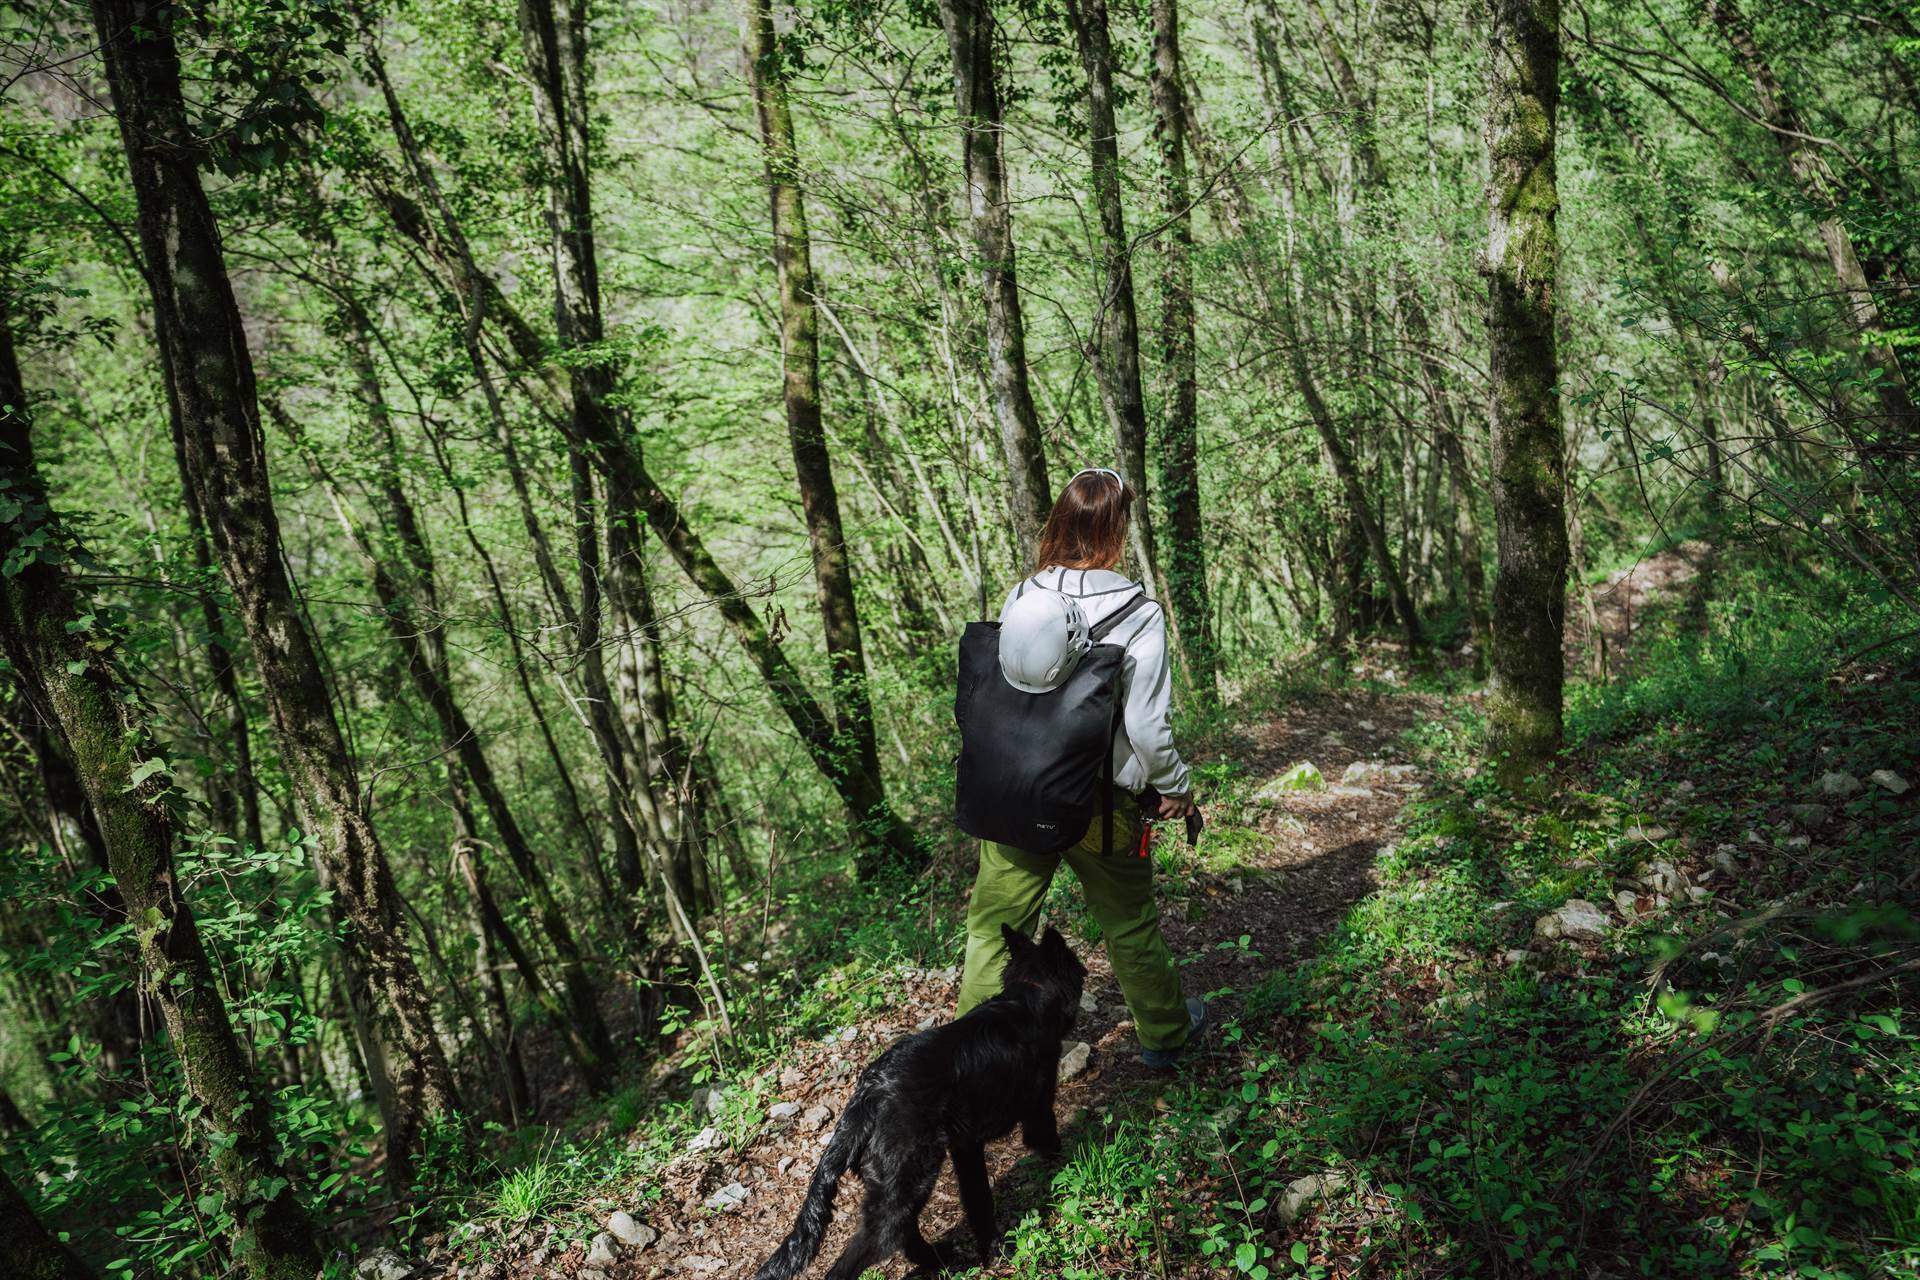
1144	754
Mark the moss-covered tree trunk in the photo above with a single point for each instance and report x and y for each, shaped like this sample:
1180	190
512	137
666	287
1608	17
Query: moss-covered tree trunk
1184	560
68	670
211	390
976	92
1116	349
1529	455
800	355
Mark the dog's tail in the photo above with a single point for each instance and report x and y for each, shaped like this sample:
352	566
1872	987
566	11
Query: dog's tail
816	1211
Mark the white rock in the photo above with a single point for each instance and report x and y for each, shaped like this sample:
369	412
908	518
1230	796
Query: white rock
600	1253
1088	1005
629	1231
783	1111
1684	787
1368	726
382	1264
1626	902
1576	920
1698	894
706	1140
1838	784
1662	877
1650	835
848	1033
1809	815
786	1163
792	1078
1300	777
1890	781
1074	1059
1726	860
709	1101
1302	1193
927	1023
1519	955
950	974
816	1117
701	1264
731	1196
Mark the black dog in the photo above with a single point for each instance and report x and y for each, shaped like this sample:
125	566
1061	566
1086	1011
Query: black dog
950	1090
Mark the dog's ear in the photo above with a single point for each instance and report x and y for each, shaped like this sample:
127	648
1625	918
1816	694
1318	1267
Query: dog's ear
1053	944
1018	943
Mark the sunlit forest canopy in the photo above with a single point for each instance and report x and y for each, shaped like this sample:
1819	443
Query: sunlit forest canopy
489	494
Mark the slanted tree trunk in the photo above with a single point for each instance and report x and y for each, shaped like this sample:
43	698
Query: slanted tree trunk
77	688
1117	344
969	27
409	602
554	36
800	355
28	1250
1184	563
210	373
1529	483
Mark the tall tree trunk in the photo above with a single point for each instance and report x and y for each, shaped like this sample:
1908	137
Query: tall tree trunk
1117	345
800	355
212	387
969	26
28	1250
78	688
1529	482
1185	561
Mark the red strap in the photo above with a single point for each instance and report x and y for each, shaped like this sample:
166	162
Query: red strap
1146	838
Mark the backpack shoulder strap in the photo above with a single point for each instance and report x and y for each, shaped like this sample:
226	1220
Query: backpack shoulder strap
1102	629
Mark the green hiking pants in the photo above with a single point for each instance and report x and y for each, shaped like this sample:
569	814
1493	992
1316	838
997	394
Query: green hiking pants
1119	889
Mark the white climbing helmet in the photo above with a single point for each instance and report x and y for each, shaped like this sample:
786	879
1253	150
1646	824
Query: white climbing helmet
1042	638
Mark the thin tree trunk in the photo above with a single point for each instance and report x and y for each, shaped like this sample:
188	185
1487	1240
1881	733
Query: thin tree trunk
77	687
1117	343
211	380
800	354
1186	559
1529	483
410	604
486	972
969	27
554	39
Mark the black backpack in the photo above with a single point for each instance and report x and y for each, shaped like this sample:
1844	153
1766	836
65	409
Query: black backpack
1034	765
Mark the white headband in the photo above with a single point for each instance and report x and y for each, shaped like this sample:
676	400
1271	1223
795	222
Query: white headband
1099	471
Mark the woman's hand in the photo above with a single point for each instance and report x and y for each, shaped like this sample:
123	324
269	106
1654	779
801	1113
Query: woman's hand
1177	806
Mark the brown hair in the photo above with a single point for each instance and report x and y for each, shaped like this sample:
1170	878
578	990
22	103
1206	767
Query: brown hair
1087	528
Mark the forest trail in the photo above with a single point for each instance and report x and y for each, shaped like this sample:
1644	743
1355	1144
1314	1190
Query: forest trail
722	1205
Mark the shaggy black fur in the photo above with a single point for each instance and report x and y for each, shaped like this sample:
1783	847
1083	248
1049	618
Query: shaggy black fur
948	1091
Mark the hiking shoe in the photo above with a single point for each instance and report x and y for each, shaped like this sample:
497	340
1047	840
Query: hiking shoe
1165	1059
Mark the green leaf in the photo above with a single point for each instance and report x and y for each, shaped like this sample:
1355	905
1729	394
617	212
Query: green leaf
1300	1252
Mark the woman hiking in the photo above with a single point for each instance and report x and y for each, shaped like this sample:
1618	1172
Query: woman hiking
1050	621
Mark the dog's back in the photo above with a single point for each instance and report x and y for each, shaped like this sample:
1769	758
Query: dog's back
957	1086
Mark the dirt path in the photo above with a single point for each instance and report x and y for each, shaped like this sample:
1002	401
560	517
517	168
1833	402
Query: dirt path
1284	891
1313	858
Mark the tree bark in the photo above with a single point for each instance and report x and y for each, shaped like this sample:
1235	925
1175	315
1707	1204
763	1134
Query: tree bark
1529	483
1117	343
71	675
212	387
1185	567
969	26
800	354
